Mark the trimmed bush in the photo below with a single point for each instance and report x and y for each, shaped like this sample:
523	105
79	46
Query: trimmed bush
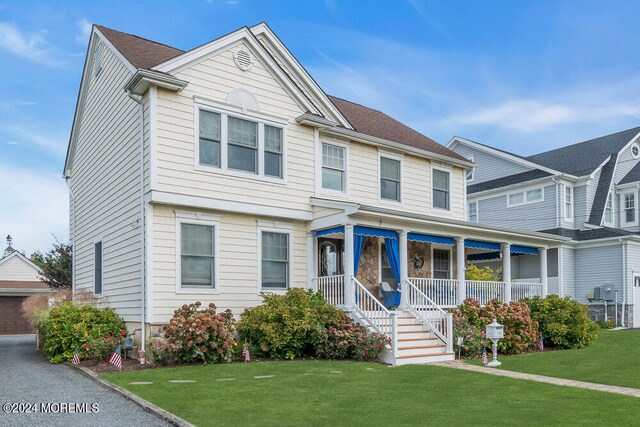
564	323
286	326
195	335
69	326
343	339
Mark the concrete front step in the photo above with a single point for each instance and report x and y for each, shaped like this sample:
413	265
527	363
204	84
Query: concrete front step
424	358
420	350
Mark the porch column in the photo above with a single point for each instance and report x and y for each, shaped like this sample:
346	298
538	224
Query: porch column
543	272
506	271
461	270
349	289
404	267
311	264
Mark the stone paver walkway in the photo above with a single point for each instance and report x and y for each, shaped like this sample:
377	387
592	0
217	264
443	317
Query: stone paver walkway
543	379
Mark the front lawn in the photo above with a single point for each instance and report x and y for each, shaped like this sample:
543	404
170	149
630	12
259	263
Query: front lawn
349	393
612	359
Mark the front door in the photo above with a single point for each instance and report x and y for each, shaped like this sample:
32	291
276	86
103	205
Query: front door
330	255
636	302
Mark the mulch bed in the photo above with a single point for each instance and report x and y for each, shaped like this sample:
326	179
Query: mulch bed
104	367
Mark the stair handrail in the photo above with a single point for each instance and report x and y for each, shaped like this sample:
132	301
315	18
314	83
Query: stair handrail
441	326
388	326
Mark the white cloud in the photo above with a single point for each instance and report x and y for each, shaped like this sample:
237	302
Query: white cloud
12	142
35	207
85	31
56	145
33	46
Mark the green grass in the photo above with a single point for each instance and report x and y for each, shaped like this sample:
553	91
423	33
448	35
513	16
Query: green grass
309	393
613	359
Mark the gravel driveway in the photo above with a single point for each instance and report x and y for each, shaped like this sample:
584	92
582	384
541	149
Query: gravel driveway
27	377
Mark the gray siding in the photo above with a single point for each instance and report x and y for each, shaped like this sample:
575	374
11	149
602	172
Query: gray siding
619	214
535	216
624	164
597	267
488	166
568	272
592	186
580	206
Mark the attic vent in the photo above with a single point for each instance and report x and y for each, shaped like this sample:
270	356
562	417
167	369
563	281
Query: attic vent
243	59
244	99
97	58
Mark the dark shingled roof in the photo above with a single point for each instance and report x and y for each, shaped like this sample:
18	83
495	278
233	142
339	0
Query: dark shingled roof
589	234
22	284
600	199
632	176
584	157
507	180
143	53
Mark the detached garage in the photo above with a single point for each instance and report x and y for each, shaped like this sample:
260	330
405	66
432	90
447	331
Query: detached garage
18	280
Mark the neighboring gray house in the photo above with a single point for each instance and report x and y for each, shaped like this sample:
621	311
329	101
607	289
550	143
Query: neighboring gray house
586	191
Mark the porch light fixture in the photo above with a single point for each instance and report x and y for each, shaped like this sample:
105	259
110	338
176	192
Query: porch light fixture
495	332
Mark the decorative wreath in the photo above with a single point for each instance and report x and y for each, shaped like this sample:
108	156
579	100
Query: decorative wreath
418	261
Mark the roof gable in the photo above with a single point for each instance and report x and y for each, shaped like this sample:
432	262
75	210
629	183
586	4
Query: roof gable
632	176
17	257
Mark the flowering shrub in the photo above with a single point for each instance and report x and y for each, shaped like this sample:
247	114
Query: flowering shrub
100	348
563	323
367	347
195	335
520	331
158	352
486	273
343	339
473	336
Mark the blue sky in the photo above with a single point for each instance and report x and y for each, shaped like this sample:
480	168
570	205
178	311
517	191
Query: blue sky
523	76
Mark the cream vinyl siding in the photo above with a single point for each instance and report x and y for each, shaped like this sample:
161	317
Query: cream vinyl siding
212	79
15	268
237	260
105	181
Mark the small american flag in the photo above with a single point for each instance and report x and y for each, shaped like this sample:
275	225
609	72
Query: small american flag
245	353
115	358
540	344
485	359
76	358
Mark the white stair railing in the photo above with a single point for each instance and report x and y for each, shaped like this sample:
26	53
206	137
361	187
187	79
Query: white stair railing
444	292
520	290
332	288
484	291
430	314
373	314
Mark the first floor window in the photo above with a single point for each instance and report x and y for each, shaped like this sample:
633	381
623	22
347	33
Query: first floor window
243	145
97	271
473	212
209	127
441	264
389	179
608	210
197	256
440	189
275	260
630	207
333	167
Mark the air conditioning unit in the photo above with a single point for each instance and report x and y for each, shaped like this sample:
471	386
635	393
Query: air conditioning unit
603	293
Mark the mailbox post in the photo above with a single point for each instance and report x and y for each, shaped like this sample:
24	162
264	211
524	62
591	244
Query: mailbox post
495	332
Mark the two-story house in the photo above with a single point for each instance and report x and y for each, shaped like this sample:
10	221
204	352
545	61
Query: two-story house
224	171
587	192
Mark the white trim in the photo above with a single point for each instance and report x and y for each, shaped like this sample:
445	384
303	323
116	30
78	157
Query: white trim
280	229
95	242
471	158
153	137
449	171
514	188
637	147
525	200
320	190
623	209
181	219
610	196
568	218
399	158
260	121
442	248
174	199
475	202
148	223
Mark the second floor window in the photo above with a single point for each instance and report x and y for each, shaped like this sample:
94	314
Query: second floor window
608	210
243	145
473	212
630	207
209	138
440	189
525	197
568	202
389	179
333	167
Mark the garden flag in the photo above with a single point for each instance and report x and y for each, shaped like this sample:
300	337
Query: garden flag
245	353
485	359
76	358
115	358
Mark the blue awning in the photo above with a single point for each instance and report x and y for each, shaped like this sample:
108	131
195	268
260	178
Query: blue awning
426	238
483	257
477	244
330	231
524	250
374	232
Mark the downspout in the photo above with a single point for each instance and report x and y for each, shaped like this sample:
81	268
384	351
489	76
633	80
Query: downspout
73	233
624	280
143	292
557	202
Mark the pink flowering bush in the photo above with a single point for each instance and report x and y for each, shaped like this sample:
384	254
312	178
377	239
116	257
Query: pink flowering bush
368	346
343	339
473	336
195	335
520	331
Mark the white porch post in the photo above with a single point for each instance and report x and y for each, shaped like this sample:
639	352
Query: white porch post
506	271
404	267
461	270
349	289
311	274
544	279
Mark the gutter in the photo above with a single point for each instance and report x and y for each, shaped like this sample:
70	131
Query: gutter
557	201
73	232
624	280
139	83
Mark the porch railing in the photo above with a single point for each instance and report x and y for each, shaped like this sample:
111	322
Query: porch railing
374	315
430	314
443	292
332	288
520	290
485	291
